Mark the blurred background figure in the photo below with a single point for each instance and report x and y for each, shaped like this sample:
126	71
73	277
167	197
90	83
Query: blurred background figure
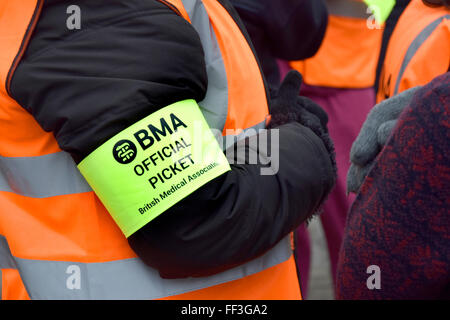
341	78
389	26
398	230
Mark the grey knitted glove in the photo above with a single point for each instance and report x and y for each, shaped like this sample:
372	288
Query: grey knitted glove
373	136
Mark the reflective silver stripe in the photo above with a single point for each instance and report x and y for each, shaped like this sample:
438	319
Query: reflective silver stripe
215	104
126	279
347	8
43	176
415	46
6	258
56	174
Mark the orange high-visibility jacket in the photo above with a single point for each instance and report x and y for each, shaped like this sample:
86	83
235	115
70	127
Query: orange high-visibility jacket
349	52
418	51
60	242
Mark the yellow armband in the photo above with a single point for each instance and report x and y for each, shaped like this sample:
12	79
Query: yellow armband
153	164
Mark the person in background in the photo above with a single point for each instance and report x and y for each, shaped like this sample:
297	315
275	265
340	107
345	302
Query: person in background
419	48
340	78
400	219
285	30
397	234
389	26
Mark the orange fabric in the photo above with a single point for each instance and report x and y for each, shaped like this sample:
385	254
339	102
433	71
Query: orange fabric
247	106
347	57
20	135
12	286
276	283
431	60
73	227
247	102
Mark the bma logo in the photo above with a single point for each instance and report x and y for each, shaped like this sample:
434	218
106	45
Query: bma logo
124	151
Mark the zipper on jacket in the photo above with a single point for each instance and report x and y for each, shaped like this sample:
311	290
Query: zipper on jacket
24	44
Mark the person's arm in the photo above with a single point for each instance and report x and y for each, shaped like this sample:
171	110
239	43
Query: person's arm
299	28
400	223
128	62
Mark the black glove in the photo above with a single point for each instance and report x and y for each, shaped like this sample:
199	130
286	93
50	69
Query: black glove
287	106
